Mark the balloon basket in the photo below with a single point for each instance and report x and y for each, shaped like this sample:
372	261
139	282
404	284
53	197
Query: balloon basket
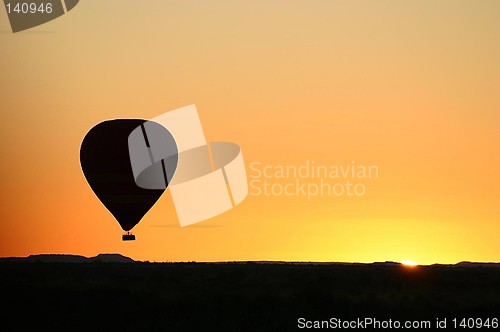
128	237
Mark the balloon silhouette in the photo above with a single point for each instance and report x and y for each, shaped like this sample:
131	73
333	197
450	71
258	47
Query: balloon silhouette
105	159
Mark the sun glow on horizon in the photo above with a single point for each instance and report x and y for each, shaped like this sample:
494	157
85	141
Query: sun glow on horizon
407	262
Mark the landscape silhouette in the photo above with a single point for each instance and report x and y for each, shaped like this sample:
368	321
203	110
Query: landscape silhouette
114	292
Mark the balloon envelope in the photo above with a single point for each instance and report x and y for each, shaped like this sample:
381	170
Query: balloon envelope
105	161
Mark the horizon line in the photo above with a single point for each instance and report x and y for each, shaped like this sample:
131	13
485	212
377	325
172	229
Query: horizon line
245	261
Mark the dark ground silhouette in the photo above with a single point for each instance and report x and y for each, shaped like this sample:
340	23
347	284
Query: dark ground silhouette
108	296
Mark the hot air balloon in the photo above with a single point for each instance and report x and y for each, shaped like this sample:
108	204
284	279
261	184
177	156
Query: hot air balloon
107	163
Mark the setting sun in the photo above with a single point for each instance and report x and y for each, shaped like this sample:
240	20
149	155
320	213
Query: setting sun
409	263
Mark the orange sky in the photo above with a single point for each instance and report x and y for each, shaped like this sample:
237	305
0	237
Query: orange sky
411	87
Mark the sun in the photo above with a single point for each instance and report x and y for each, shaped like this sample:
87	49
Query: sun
407	262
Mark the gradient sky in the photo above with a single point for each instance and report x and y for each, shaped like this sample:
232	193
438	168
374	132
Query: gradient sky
409	86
